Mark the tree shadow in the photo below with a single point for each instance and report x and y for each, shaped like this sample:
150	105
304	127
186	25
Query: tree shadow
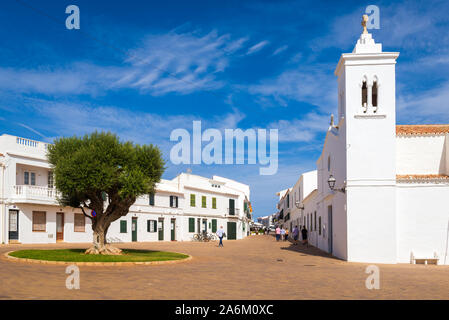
308	251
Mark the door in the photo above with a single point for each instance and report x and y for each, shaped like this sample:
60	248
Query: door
205	225
329	229
173	229
232	231
160	228
134	229
13	224
59	226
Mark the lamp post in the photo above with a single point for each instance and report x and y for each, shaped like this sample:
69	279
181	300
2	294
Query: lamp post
331	182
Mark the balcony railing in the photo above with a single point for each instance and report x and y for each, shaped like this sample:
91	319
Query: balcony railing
27	192
233	211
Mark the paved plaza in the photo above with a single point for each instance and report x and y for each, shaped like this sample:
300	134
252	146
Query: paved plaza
257	267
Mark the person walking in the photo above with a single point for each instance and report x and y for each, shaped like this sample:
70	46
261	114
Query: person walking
278	233
283	233
221	234
295	235
286	234
304	236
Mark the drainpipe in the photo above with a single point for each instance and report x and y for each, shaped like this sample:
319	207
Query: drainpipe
3	209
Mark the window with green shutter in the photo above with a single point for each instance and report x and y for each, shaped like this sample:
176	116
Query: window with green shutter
191	224
214	203
203	201
123	226
232	207
192	200
151	225
214	225
151	199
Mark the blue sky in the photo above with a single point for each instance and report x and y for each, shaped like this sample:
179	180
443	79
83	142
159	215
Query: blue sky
143	68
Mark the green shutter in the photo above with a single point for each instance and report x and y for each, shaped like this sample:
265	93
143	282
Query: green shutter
245	206
203	201
151	199
214	225
191	224
214	203
123	226
192	200
231	206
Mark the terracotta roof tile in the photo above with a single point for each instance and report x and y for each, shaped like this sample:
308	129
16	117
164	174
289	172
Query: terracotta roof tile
422	129
421	176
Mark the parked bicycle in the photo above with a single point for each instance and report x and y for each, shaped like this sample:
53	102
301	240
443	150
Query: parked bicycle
204	237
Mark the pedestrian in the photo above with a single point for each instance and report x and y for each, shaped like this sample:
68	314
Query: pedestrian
286	234
278	233
304	236
221	234
283	233
295	235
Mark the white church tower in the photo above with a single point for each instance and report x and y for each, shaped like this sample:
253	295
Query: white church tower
366	110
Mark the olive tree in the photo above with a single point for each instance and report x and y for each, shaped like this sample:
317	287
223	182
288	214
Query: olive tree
99	173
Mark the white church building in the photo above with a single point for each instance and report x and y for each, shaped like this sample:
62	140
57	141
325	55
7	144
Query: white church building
382	190
181	207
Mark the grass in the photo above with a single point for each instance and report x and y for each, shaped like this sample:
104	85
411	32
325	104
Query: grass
77	255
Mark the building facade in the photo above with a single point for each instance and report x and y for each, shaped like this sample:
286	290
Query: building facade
382	190
180	208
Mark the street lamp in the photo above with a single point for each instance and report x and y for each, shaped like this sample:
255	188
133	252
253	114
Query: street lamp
331	182
299	206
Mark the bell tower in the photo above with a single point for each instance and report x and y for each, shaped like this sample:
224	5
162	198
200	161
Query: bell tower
367	114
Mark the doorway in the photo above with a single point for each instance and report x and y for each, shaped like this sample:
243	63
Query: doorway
134	229
329	229
173	229
160	228
232	231
13	224
60	226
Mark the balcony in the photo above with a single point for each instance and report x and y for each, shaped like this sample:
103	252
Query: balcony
27	193
233	211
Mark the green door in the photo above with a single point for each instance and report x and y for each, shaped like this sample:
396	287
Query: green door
172	229
232	231
134	229
161	229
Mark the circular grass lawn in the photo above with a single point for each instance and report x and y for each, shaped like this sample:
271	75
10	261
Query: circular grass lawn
77	255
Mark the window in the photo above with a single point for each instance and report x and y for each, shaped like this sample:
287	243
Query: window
123	227
214	203
39	221
374	94
79	222
214	225
191	224
314	220
288	201
364	93
151	225
192	200
151	199
26	178
173	201
232	207
50	182
203	202
329	163
319	226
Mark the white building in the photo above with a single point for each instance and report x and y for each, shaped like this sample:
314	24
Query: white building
382	189
180	208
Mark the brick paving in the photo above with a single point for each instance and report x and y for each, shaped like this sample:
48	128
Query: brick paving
254	268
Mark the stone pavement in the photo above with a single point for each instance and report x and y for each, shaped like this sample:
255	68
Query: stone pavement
254	268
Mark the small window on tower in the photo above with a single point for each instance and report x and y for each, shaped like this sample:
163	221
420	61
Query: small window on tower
364	93
374	94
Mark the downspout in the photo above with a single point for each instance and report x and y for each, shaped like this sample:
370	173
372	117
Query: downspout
3	210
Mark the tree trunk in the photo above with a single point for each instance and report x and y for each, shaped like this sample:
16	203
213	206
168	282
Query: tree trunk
100	245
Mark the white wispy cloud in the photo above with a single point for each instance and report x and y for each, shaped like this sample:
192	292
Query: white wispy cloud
257	47
159	64
279	50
